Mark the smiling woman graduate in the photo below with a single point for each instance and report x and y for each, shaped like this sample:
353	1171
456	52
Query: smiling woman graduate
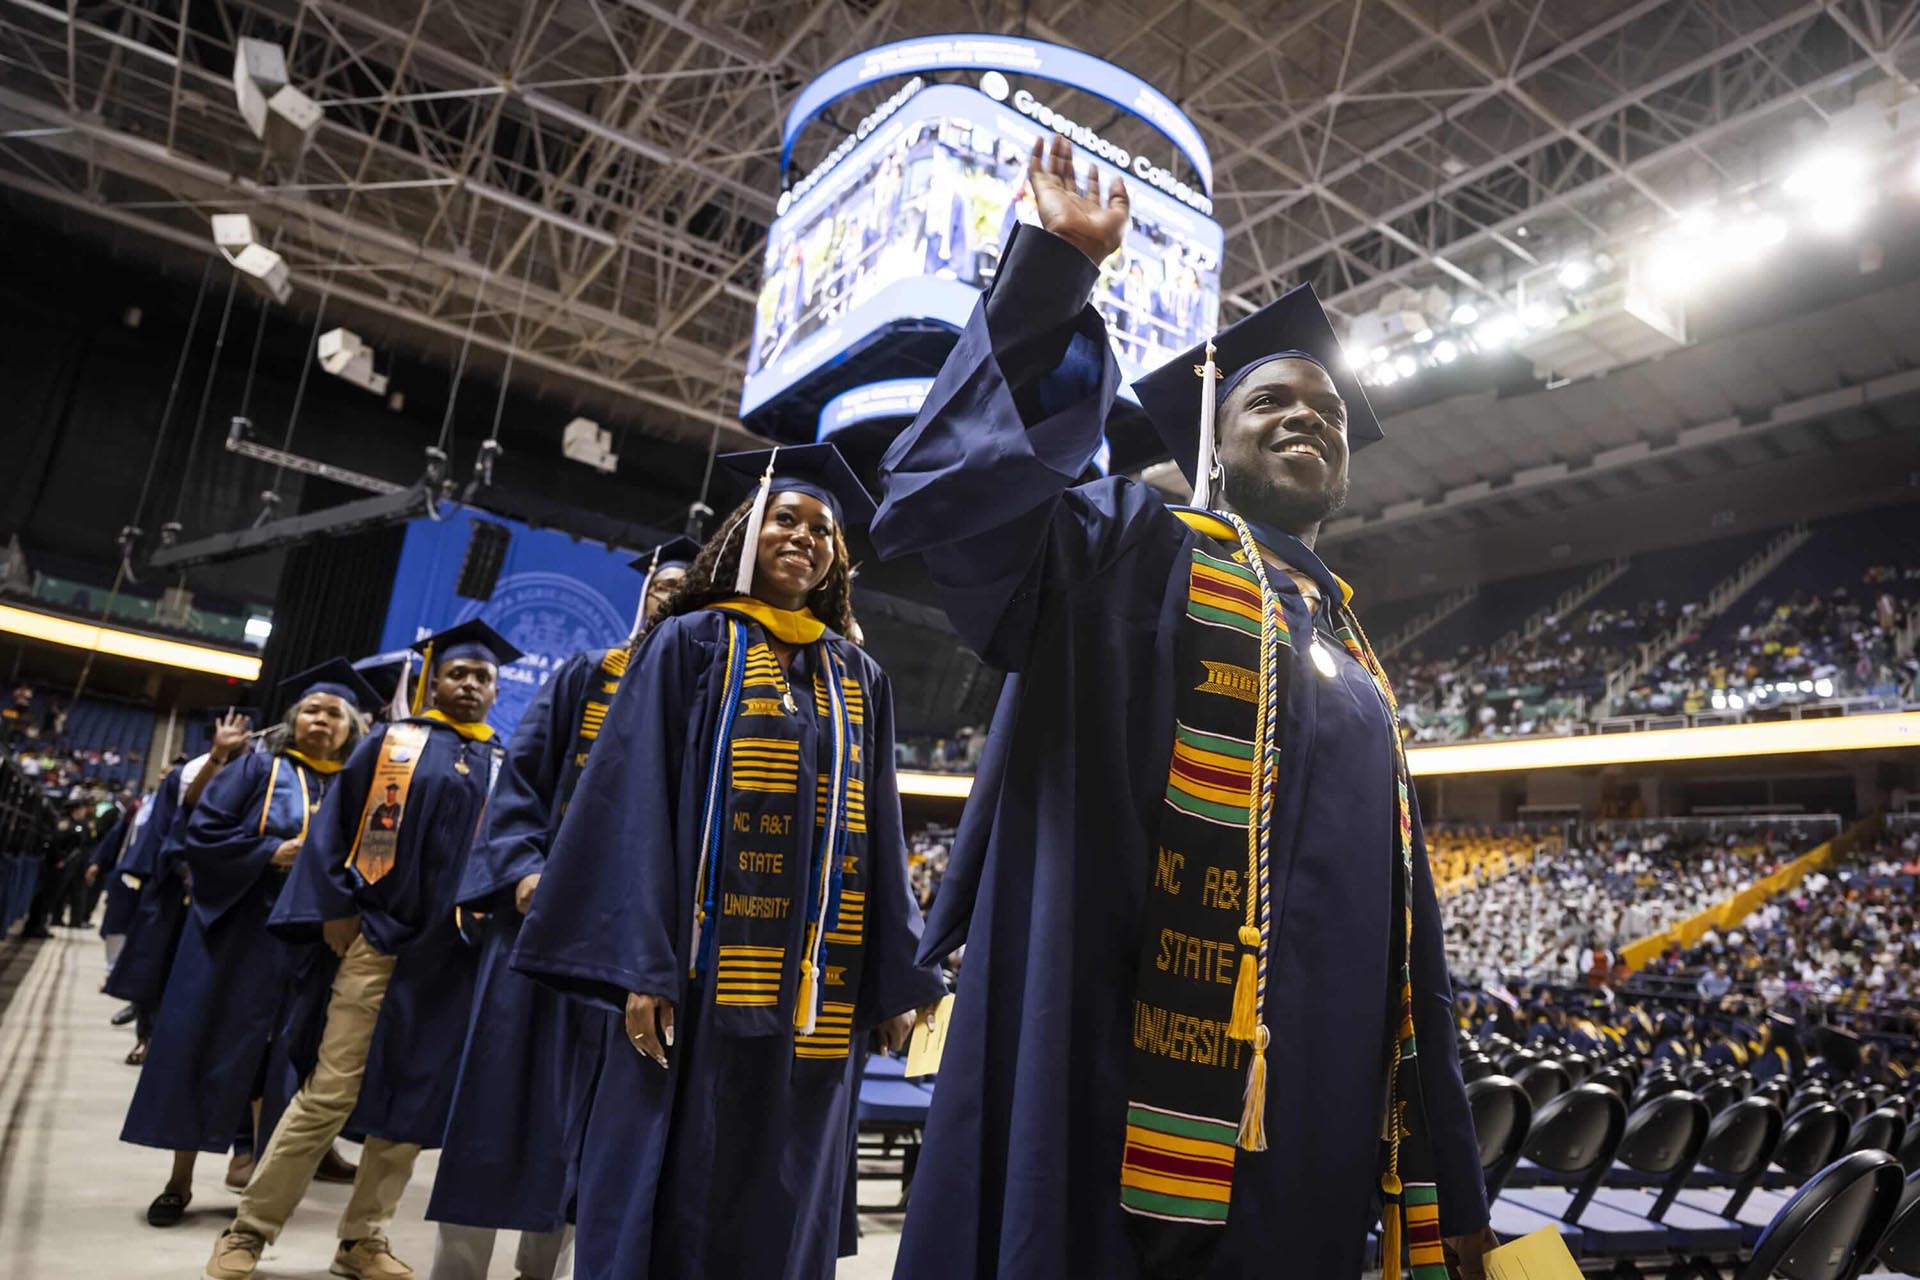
229	983
732	875
1201	932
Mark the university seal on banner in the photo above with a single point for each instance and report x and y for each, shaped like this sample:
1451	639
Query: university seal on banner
549	617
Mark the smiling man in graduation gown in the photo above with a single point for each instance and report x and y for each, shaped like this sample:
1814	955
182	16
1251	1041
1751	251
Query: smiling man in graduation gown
384	902
530	1051
1204	958
732	874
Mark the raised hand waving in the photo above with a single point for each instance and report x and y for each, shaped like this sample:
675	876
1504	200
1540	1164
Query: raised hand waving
1077	216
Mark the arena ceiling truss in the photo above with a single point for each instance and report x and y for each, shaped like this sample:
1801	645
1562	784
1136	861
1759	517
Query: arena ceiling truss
587	183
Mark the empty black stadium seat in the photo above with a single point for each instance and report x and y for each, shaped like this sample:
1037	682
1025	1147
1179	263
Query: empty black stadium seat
1900	1247
1806	1096
1809	1140
1578	1134
1544	1081
1879	1130
1910	1149
1512	1062
1502	1115
1853	1103
1618	1079
1719	1095
1830	1227
1654	1086
1477	1067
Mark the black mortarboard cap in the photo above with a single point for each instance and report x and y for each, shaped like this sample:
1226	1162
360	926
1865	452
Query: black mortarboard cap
337	677
383	671
1294	326
818	470
674	551
470	639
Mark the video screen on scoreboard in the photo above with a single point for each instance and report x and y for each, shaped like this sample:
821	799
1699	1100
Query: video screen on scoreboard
911	223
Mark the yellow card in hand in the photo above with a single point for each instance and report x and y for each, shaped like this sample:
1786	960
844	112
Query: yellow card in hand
929	1041
1540	1256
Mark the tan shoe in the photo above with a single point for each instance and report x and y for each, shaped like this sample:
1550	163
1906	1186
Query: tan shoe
235	1255
369	1259
239	1171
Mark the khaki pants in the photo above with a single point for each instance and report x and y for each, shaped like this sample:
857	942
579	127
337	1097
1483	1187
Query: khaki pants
465	1253
319	1111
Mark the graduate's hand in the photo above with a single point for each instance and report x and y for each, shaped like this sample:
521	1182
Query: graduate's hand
523	892
229	736
93	874
288	851
1074	215
339	934
896	1032
1466	1255
650	1026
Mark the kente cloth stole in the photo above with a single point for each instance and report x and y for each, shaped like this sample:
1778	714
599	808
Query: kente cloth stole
1197	1065
593	715
780	903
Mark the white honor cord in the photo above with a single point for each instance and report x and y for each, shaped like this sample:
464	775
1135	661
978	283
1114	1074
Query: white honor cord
1203	464
646	585
750	545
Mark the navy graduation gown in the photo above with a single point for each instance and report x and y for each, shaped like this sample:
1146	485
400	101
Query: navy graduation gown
159	912
107	856
1081	592
730	1163
530	1051
230	979
408	914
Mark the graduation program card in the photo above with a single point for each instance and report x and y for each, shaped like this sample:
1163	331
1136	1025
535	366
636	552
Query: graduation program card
1540	1256
929	1041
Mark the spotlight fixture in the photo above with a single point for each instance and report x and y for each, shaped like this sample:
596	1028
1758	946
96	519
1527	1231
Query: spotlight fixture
585	440
1575	273
345	356
1445	351
1465	314
265	271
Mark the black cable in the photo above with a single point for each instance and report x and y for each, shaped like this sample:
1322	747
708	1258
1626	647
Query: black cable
206	397
166	415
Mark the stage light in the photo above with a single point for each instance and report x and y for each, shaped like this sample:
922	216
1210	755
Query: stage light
258	629
1380	355
1495	332
1826	172
1351	360
1466	314
1838	213
1406	366
1445	351
1536	316
1575	273
1806	686
1423	337
1750	238
1384	376
1737	702
1719	701
1824	688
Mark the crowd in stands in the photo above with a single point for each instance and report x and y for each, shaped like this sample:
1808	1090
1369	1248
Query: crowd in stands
33	730
927	853
1806	647
1540	686
1849	938
1566	913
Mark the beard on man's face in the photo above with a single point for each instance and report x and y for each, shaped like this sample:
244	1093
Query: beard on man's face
1272	499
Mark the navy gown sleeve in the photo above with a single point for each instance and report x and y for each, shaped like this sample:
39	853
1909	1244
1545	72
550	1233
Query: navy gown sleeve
612	913
224	846
144	860
891	980
108	849
520	814
980	483
1456	1150
319	887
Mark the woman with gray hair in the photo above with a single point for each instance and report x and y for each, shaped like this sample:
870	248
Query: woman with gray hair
224	1001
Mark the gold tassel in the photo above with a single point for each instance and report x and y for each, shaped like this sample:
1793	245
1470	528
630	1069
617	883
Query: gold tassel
803	1006
1246	990
1390	1240
1253	1109
426	675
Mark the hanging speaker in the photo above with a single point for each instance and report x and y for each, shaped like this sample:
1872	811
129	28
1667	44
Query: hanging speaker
486	552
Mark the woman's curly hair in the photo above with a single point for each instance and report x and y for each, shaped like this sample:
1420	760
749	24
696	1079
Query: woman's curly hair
711	576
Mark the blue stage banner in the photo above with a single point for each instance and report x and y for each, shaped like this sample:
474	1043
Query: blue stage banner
554	598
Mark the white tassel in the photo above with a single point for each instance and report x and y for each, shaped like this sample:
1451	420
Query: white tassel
1203	465
646	585
750	545
401	705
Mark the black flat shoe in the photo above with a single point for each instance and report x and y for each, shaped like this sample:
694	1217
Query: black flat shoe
167	1209
125	1016
137	1055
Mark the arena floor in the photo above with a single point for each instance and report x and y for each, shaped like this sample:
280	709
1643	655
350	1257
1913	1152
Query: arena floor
73	1196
